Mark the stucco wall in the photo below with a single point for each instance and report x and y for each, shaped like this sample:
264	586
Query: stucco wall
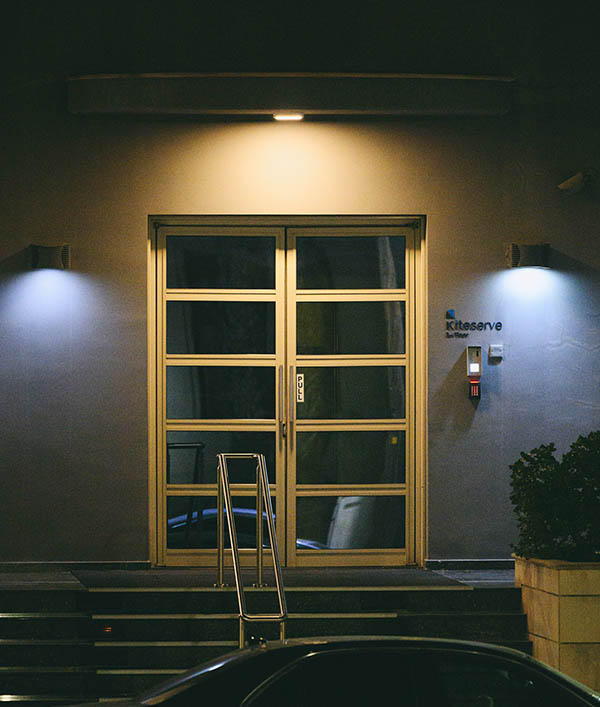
73	345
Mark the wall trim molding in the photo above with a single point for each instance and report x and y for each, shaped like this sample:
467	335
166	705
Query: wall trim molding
325	94
66	566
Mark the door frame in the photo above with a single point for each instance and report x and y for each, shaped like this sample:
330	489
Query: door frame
418	342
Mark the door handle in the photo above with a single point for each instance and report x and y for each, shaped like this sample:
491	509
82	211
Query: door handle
292	408
281	406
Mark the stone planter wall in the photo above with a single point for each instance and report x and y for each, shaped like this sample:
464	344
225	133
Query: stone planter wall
562	601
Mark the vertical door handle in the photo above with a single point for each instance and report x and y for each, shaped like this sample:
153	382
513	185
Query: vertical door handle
281	406
292	403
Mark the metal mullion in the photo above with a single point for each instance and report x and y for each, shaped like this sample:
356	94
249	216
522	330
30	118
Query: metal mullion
375	295
351	489
290	446
218	295
237	424
263	360
419	451
161	318
208	490
362	425
219	360
349	231
280	377
234	425
410	402
220	230
329	360
387	557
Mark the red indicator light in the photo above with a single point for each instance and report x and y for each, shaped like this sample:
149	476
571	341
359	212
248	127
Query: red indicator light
474	388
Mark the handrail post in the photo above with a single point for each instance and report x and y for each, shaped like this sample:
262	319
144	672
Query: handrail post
263	497
220	529
259	528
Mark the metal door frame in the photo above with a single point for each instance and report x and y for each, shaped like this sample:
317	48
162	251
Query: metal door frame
416	550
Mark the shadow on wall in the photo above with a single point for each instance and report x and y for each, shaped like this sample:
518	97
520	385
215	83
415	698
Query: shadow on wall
18	262
459	415
564	263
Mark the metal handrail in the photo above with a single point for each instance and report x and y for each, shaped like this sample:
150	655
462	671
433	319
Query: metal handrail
224	503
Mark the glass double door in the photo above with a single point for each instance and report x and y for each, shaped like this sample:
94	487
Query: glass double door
295	343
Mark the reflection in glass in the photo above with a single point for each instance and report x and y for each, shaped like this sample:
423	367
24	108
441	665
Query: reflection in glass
350	327
350	262
220	392
352	392
356	457
191	456
192	522
242	262
220	327
350	522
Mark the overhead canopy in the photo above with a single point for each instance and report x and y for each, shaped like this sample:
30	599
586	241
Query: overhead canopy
311	94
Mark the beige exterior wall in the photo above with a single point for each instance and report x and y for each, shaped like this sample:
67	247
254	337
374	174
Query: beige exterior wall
74	351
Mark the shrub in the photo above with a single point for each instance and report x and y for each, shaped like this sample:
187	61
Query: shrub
557	503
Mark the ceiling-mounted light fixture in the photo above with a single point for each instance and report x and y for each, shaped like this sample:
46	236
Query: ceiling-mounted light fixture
57	257
533	255
288	116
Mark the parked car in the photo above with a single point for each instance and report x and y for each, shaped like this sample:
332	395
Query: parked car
365	671
199	529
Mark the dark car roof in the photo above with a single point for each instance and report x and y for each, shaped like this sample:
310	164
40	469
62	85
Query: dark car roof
291	649
277	654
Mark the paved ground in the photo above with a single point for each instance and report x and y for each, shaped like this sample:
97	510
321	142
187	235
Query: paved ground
313	577
481	578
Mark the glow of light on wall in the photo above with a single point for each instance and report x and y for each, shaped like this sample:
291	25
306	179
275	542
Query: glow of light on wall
44	299
529	284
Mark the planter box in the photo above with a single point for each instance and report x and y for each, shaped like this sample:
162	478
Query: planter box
562	602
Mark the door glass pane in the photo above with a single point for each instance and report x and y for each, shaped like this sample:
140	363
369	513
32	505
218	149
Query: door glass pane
350	262
220	327
350	327
350	522
352	392
191	456
217	392
192	522
356	457
242	262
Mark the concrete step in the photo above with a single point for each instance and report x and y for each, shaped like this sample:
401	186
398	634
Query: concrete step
43	625
67	680
19	652
325	599
61	647
488	626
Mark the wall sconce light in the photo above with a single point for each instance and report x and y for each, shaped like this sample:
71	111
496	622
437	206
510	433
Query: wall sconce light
57	257
574	184
527	255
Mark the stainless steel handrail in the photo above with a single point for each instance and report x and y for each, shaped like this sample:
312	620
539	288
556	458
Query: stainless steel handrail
263	496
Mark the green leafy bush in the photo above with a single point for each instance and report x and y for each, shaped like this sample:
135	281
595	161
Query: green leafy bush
558	502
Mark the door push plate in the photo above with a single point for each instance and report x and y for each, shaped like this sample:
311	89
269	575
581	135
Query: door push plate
300	387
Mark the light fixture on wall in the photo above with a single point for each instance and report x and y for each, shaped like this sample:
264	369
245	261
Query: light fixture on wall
57	257
532	255
288	115
578	182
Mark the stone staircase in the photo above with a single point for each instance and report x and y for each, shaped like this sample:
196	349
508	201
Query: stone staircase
61	646
46	647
